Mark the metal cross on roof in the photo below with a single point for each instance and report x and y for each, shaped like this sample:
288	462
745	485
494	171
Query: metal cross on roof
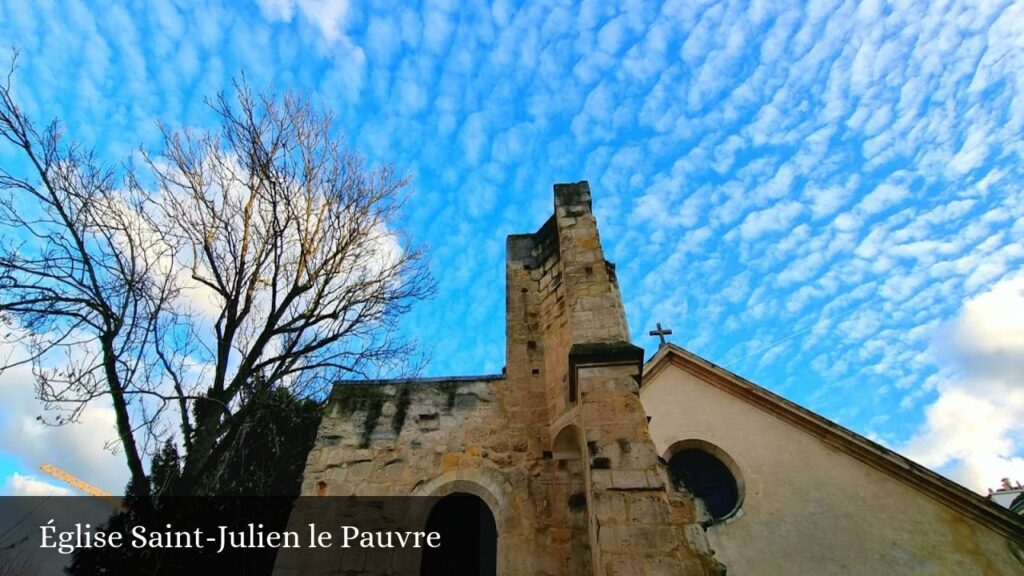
661	333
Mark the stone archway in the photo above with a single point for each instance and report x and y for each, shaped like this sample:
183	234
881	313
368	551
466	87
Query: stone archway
482	482
469	537
486	484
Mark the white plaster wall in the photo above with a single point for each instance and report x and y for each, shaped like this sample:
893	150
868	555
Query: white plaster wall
809	509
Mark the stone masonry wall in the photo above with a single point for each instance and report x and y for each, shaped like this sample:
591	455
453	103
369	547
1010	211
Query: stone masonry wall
476	435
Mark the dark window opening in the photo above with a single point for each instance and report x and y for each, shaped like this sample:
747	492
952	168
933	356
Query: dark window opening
469	538
706	477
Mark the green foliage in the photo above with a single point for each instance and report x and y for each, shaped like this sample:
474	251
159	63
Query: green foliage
165	471
263	456
266	454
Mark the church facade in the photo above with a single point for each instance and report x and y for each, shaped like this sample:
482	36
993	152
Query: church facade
592	462
813	497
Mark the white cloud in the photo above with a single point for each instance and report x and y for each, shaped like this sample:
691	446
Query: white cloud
437	30
883	197
990	330
381	35
609	38
328	16
772	219
974	431
725	153
277	9
474	138
825	201
20	485
972	153
78	448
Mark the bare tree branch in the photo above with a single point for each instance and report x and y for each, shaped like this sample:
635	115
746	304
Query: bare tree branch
74	275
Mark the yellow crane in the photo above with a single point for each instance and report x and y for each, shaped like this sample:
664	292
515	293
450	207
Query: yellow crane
81	485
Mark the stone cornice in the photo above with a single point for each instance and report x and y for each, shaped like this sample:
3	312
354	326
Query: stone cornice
603	354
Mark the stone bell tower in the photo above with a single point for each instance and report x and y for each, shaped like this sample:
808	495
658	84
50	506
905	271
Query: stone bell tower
556	449
567	341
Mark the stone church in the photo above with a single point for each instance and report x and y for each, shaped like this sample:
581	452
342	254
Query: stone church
585	459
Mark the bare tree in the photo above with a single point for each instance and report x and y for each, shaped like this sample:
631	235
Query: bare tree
80	287
266	255
290	235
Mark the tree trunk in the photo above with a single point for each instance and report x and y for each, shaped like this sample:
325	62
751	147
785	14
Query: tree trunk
123	419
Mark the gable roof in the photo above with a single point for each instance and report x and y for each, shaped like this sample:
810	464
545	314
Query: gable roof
922	479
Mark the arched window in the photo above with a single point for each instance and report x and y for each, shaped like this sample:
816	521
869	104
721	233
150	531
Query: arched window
705	471
569	490
469	537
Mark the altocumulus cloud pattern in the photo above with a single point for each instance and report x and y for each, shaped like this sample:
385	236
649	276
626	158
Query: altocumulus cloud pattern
825	199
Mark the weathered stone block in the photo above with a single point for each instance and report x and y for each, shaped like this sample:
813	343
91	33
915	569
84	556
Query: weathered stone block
601	480
649	510
610	505
655	479
629	480
450	461
697	538
623	565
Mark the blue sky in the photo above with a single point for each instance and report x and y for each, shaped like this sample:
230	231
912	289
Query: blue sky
824	199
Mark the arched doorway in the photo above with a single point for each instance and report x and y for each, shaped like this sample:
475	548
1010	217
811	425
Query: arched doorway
469	538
